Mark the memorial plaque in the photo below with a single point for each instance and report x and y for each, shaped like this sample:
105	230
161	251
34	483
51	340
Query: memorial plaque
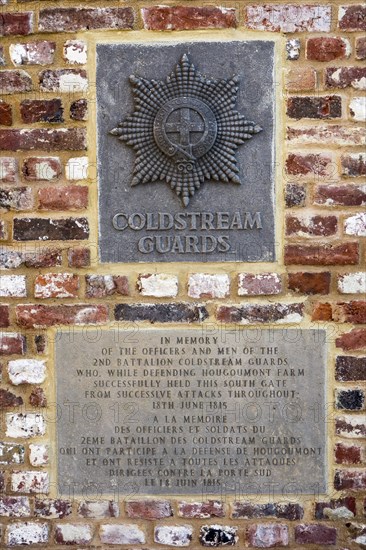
186	151
191	412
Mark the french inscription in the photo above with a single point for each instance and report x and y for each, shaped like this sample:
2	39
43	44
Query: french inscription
193	411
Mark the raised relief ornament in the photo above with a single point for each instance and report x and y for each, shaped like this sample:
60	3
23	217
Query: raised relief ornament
185	130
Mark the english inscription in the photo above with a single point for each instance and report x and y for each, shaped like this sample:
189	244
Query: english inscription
191	412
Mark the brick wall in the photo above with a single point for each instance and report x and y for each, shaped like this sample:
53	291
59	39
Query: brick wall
50	275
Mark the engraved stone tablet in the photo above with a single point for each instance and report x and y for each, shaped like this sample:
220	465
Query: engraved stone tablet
191	412
185	151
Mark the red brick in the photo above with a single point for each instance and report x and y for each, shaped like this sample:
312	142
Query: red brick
63	80
315	534
334	134
69	139
100	286
41	110
250	284
260	313
352	480
9	399
8	169
32	229
4	316
37	398
340	195
247	510
309	283
314	107
33	53
315	226
322	312
40	316
78	257
40	343
166	18
70	197
75	19
16	198
350	368
148	509
56	285
301	79
14	507
41	168
11	259
288	18
353	340
308	165
351	399
347	454
353	165
350	312
352	18
161	313
79	109
6	114
12	82
202	510
327	48
327	254
361	48
267	535
295	195
52	508
334	504
12	344
74	533
16	23
98	509
342	77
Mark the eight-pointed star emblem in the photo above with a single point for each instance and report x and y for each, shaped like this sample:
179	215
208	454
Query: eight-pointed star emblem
185	130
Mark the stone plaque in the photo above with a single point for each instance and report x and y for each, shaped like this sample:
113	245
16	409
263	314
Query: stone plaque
186	151
191	412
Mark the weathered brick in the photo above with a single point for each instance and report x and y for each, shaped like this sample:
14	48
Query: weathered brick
40	316
343	312
79	109
295	195
17	507
173	535
288	18
357	109
322	312
78	257
12	82
41	168
350	368
347	454
9	399
248	510
27	371
4	232
293	47
29	482
52	508
202	510
63	80
327	254
148	509
15	23
75	19
161	313
8	169
300	79
70	197
38	455
205	285
37	398
261	313
25	425
2	481
361	48
350	426
6	114
26	533
57	139
98	509
341	195
44	229
350	399
41	52
256	284
40	343
56	285
352	17
4	316
12	343
356	225
13	286
100	286
314	107
353	340
315	534
178	18
342	77
75	52
2	56
11	258
41	110
309	165
73	533
354	164
157	284
267	535
342	508
121	534
329	135
327	48
353	480
18	198
304	225
309	283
